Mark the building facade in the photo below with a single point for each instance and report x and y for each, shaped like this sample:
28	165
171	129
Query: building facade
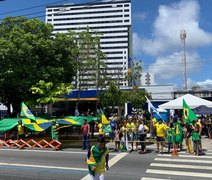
147	79
111	20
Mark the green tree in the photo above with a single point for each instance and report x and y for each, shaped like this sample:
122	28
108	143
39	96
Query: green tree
134	72
136	97
29	53
90	64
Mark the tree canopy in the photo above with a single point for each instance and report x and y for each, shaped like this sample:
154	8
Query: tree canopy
29	56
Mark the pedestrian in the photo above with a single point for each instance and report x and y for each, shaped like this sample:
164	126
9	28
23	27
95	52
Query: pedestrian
21	133
189	148
97	160
142	130
117	138
196	138
160	134
55	130
170	136
85	135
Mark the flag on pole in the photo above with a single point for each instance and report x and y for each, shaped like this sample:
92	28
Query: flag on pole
153	108
188	114
107	128
103	118
126	143
26	112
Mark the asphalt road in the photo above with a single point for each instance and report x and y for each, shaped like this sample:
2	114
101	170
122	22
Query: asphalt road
70	164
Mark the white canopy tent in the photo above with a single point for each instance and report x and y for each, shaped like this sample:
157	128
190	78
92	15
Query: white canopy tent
192	101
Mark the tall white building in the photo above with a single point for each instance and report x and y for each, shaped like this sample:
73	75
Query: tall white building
112	19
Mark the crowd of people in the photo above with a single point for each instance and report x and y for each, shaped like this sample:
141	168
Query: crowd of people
170	134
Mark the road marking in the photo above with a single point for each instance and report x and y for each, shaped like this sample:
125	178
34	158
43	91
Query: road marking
181	166
182	156
184	160
41	166
47	151
111	163
206	153
179	173
147	178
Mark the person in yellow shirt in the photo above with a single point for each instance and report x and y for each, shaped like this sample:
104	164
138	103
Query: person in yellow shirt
199	124
21	134
160	128
97	159
134	133
100	129
129	132
152	127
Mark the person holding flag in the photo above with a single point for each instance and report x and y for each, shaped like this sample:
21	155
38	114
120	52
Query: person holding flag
97	159
189	117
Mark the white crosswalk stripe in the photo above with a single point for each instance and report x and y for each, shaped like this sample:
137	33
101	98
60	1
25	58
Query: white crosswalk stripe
183	166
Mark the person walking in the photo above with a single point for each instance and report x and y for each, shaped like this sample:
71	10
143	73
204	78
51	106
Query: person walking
85	135
97	160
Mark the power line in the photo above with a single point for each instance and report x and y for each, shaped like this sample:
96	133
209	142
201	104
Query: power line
32	7
178	64
87	5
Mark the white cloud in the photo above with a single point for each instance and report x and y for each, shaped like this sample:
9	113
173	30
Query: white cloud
136	44
167	67
207	84
167	26
139	16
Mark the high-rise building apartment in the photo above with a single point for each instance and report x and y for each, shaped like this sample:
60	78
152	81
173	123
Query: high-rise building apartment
112	19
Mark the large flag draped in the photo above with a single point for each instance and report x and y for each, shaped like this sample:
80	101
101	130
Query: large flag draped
25	112
188	114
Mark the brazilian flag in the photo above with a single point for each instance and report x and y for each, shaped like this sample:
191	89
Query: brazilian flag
188	114
107	128
25	112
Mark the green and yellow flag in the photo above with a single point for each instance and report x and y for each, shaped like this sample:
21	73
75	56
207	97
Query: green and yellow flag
188	114
25	112
103	118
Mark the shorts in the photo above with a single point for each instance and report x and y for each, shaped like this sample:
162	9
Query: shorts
159	139
129	136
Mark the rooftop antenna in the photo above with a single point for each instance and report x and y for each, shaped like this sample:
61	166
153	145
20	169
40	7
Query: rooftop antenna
183	37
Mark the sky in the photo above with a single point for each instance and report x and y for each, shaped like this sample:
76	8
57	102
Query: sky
156	26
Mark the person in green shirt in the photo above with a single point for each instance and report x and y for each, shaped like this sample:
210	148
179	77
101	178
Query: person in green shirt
170	134
97	159
195	138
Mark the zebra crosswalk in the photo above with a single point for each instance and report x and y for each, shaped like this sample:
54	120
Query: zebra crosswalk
184	166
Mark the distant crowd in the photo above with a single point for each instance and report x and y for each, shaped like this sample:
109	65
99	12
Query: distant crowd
130	133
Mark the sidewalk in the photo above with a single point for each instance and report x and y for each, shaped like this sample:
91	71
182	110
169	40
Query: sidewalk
206	143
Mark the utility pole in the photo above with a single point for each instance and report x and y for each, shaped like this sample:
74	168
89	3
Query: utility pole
183	37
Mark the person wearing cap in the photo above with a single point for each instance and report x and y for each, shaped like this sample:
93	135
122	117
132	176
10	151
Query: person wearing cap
97	159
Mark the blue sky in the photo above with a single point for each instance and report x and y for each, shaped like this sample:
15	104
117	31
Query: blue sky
156	35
